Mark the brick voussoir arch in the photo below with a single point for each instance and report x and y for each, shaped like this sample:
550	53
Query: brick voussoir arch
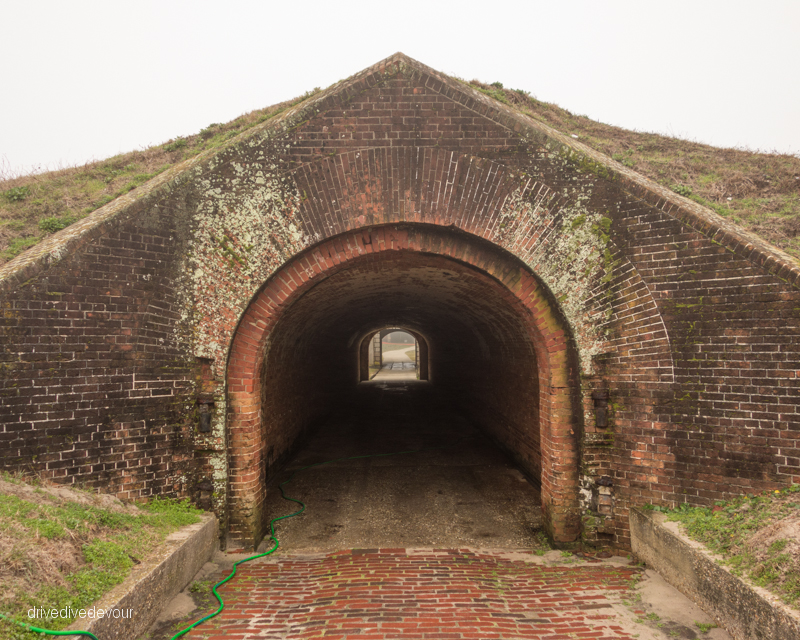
548	331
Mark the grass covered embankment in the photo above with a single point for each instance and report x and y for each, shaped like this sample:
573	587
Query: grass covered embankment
61	547
758	191
757	535
37	205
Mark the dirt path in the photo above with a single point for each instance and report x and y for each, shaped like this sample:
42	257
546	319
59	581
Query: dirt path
460	490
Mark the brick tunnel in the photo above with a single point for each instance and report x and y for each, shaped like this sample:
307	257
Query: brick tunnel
625	345
497	351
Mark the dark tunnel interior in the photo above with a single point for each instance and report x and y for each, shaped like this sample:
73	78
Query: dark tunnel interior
480	352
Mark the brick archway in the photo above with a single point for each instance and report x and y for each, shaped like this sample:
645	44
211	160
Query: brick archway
559	413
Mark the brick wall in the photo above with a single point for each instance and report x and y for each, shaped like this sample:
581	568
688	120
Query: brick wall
94	379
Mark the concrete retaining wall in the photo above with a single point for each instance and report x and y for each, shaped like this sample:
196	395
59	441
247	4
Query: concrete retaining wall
153	583
746	611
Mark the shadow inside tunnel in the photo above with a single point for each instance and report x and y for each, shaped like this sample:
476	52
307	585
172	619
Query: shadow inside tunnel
447	484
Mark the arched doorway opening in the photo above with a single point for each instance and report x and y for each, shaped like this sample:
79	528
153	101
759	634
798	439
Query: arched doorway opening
374	345
494	336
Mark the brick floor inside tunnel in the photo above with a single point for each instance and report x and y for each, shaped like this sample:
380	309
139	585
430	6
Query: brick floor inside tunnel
455	488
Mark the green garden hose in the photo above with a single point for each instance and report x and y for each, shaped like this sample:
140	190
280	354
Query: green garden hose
236	564
291	515
29	627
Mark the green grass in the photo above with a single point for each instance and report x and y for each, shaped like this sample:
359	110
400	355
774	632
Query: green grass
52	224
737	530
107	542
18	245
33	207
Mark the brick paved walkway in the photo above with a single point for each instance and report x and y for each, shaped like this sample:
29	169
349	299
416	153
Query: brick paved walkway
416	594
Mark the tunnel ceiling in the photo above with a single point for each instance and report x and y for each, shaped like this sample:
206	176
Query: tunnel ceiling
454	306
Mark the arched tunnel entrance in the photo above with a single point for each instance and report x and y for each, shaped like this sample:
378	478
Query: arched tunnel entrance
496	349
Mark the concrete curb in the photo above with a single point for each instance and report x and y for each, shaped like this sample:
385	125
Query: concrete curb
746	611
152	584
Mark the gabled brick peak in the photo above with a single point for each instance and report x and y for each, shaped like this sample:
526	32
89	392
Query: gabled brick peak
701	219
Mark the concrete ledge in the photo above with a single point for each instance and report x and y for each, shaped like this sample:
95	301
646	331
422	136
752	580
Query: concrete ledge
153	583
746	611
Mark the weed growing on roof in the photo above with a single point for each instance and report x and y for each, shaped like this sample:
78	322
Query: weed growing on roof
16	194
52	224
625	158
31	207
176	145
494	90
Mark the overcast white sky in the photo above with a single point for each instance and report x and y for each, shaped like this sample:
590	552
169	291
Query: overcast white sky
85	80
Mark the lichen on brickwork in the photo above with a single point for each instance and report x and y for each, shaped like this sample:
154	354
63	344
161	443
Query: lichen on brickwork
571	255
219	467
245	227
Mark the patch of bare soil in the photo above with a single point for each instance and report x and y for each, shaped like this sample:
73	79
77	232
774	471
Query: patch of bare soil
776	548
